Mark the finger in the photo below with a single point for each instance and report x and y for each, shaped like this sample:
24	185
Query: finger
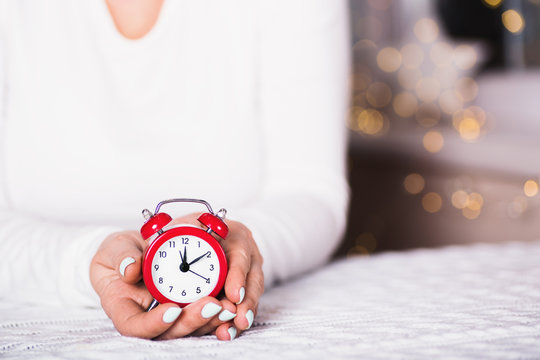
239	265
194	316
126	255
227	313
130	269
226	332
132	320
247	310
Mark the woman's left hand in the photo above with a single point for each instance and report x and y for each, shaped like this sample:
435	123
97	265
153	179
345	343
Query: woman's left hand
244	284
245	281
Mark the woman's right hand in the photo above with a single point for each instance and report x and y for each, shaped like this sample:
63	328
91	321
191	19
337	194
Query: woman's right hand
115	273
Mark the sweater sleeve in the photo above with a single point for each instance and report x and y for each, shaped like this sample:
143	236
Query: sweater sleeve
46	262
42	262
304	64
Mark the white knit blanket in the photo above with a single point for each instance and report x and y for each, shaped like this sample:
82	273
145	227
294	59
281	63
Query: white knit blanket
476	302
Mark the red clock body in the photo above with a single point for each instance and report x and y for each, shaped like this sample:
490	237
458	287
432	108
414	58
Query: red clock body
183	264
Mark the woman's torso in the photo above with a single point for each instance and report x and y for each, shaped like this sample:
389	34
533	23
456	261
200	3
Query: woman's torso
97	127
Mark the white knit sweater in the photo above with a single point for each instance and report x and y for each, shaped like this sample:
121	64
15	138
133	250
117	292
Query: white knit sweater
238	102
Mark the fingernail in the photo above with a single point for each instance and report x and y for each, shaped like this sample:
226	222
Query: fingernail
171	314
226	315
125	263
242	294
210	310
249	317
232	332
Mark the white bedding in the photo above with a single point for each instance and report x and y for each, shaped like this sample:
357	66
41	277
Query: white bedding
478	302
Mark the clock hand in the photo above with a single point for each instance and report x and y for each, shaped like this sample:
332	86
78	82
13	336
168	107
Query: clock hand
184	266
198	275
199	258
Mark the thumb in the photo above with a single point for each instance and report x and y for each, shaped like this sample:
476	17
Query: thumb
131	320
130	268
125	254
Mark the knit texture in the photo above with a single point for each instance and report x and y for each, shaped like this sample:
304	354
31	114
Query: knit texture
476	302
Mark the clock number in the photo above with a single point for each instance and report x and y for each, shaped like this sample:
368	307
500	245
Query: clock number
172	244
160	280
199	243
183	292
170	288
208	281
198	291
162	254
156	267
211	267
185	241
208	254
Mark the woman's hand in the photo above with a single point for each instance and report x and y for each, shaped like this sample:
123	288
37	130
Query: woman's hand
116	275
245	281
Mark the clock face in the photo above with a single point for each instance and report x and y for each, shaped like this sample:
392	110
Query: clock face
185	268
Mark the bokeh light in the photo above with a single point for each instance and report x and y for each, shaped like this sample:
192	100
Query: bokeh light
468	128
389	59
450	102
447	76
357	250
432	202
475	201
405	104
428	115
354	111
360	80
517	207
469	204
367	240
433	141
466	89
469	122
379	94
474	112
369	122
426	30
364	45
412	55
470	214
492	3
478	113
460	199
441	54
465	57
414	183
530	188
428	89
409	77
513	21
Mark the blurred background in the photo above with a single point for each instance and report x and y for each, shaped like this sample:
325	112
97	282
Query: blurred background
444	123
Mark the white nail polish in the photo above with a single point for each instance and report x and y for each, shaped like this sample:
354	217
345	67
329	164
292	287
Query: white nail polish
171	314
226	315
232	332
210	310
249	317
125	263
242	294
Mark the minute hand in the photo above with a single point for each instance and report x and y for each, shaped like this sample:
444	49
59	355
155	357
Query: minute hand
199	258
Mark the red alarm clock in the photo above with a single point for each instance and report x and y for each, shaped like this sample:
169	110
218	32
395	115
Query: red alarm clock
183	263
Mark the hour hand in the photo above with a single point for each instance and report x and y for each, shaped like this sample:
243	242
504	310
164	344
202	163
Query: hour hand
199	258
